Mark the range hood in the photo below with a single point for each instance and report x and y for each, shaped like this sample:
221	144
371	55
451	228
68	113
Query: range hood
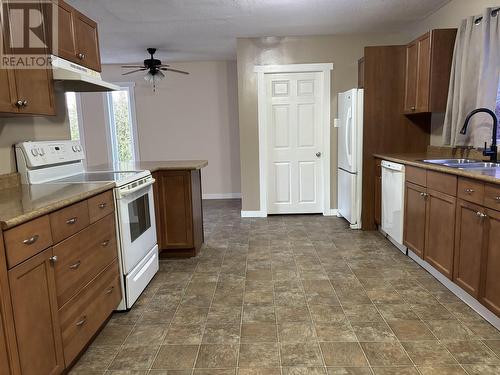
74	77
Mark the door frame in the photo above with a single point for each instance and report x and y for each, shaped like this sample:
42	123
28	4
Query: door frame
325	70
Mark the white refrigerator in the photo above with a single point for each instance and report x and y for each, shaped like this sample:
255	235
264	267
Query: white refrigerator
350	155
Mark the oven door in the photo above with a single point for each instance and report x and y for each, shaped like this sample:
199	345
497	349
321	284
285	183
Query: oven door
136	218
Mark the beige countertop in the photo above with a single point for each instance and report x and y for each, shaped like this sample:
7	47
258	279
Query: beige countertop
153	166
492	176
22	203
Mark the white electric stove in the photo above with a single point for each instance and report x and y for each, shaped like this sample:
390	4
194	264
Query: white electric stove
62	162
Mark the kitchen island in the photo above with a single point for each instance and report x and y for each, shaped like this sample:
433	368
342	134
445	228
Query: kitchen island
178	203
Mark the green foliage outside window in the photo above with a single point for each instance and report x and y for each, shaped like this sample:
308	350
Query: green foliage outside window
123	126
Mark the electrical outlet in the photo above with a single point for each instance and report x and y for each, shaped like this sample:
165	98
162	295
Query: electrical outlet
336	123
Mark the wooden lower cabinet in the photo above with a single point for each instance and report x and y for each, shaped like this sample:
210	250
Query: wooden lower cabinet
34	304
178	209
490	288
4	356
469	241
414	219
378	192
440	231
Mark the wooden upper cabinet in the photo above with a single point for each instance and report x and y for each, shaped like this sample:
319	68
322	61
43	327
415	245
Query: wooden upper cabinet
414	218
34	305
87	42
428	67
468	244
411	77
78	37
66	31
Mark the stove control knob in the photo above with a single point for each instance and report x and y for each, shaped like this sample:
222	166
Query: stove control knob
41	151
78	148
73	148
34	152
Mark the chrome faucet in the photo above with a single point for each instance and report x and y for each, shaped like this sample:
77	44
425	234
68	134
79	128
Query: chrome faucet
492	151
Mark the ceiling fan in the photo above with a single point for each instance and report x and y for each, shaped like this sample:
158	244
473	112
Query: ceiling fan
154	69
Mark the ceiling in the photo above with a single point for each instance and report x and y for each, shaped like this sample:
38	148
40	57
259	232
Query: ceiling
207	29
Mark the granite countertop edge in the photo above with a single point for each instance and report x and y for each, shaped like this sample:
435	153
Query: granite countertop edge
8	223
416	161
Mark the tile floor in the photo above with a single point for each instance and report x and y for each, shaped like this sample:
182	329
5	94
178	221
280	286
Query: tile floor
293	295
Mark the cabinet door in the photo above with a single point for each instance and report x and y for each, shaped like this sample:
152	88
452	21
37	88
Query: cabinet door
440	231
173	209
378	200
411	77
490	291
34	305
4	357
468	245
414	218
35	86
423	73
66	32
87	42
8	95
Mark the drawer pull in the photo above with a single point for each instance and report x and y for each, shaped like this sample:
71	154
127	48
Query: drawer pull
75	266
31	240
481	215
53	259
497	199
81	322
468	191
102	206
71	221
105	243
110	290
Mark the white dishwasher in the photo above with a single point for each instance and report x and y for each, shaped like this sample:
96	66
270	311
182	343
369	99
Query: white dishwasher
393	191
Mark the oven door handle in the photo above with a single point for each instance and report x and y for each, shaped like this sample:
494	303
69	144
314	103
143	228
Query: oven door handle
123	194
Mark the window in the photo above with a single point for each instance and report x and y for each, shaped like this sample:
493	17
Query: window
122	131
73	106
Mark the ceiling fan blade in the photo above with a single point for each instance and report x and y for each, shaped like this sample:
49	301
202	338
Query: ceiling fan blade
133	66
175	70
134	71
163	65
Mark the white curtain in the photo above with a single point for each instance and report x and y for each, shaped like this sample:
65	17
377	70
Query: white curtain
474	79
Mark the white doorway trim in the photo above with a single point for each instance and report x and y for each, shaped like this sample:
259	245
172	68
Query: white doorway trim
261	71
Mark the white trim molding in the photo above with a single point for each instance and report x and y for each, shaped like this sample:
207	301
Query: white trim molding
253	214
459	292
222	196
262	70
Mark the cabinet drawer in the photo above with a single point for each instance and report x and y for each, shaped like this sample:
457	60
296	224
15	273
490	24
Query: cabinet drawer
101	205
81	257
416	175
492	196
69	220
471	190
82	316
442	182
26	240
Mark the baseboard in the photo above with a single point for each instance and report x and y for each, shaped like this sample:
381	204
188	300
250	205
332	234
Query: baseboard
459	292
253	214
222	196
331	212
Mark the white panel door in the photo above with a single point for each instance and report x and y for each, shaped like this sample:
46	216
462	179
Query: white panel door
294	143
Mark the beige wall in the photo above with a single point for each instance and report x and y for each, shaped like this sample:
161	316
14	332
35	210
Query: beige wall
449	15
342	51
189	117
13	130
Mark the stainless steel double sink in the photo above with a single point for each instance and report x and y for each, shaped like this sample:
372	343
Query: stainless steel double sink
469	164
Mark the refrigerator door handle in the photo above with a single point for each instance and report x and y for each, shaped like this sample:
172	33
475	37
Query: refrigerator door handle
348	136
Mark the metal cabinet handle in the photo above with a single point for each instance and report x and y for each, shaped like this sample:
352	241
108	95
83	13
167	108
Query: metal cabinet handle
71	221
110	290
81	322
481	215
424	195
19	103
412	107
105	243
25	103
318	154
75	265
497	199
53	259
468	191
81	56
31	240
102	205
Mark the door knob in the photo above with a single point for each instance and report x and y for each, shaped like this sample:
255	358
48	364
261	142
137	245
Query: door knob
318	154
